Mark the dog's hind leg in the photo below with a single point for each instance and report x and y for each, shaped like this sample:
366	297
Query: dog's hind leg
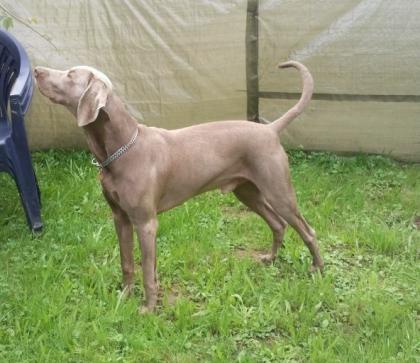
249	195
284	203
272	178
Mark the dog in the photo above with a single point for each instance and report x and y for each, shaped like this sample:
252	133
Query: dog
147	170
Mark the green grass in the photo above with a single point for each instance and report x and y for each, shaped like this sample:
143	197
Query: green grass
59	297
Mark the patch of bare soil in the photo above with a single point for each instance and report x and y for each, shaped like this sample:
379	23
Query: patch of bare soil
256	255
170	296
236	211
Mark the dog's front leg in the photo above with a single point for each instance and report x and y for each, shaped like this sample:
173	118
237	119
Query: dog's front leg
146	231
124	229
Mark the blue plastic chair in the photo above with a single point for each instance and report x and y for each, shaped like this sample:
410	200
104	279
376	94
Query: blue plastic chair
16	87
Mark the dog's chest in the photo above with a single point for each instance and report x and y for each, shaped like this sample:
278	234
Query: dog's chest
108	186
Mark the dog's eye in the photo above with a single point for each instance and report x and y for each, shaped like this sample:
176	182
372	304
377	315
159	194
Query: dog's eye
69	74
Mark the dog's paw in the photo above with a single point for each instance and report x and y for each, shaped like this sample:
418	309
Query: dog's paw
316	268
267	258
145	310
127	290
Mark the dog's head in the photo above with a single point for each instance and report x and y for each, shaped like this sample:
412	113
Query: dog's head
83	90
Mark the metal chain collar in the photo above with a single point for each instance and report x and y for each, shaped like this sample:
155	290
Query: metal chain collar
121	151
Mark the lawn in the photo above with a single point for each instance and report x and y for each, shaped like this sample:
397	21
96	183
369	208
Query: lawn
60	298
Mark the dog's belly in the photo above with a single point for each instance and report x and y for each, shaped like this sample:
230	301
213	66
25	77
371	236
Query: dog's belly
177	196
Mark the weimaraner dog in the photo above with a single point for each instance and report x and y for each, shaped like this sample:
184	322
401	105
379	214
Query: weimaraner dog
148	170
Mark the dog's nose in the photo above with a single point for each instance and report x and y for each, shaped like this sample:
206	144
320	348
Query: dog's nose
38	72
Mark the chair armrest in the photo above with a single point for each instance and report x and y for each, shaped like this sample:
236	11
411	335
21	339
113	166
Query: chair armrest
20	83
22	90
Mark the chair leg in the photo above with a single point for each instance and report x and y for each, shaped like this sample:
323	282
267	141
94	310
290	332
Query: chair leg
31	204
25	177
28	191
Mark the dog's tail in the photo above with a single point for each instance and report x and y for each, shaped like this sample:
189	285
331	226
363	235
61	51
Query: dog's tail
308	87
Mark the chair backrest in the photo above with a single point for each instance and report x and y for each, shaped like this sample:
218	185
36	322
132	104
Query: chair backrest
10	63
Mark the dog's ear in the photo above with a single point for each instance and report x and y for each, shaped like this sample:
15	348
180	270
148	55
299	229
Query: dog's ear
92	100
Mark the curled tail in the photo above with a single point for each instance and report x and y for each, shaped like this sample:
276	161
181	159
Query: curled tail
296	110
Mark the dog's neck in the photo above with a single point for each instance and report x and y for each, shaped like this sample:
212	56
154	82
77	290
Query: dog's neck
113	128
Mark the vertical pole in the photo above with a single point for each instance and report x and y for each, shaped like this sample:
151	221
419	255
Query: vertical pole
251	40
